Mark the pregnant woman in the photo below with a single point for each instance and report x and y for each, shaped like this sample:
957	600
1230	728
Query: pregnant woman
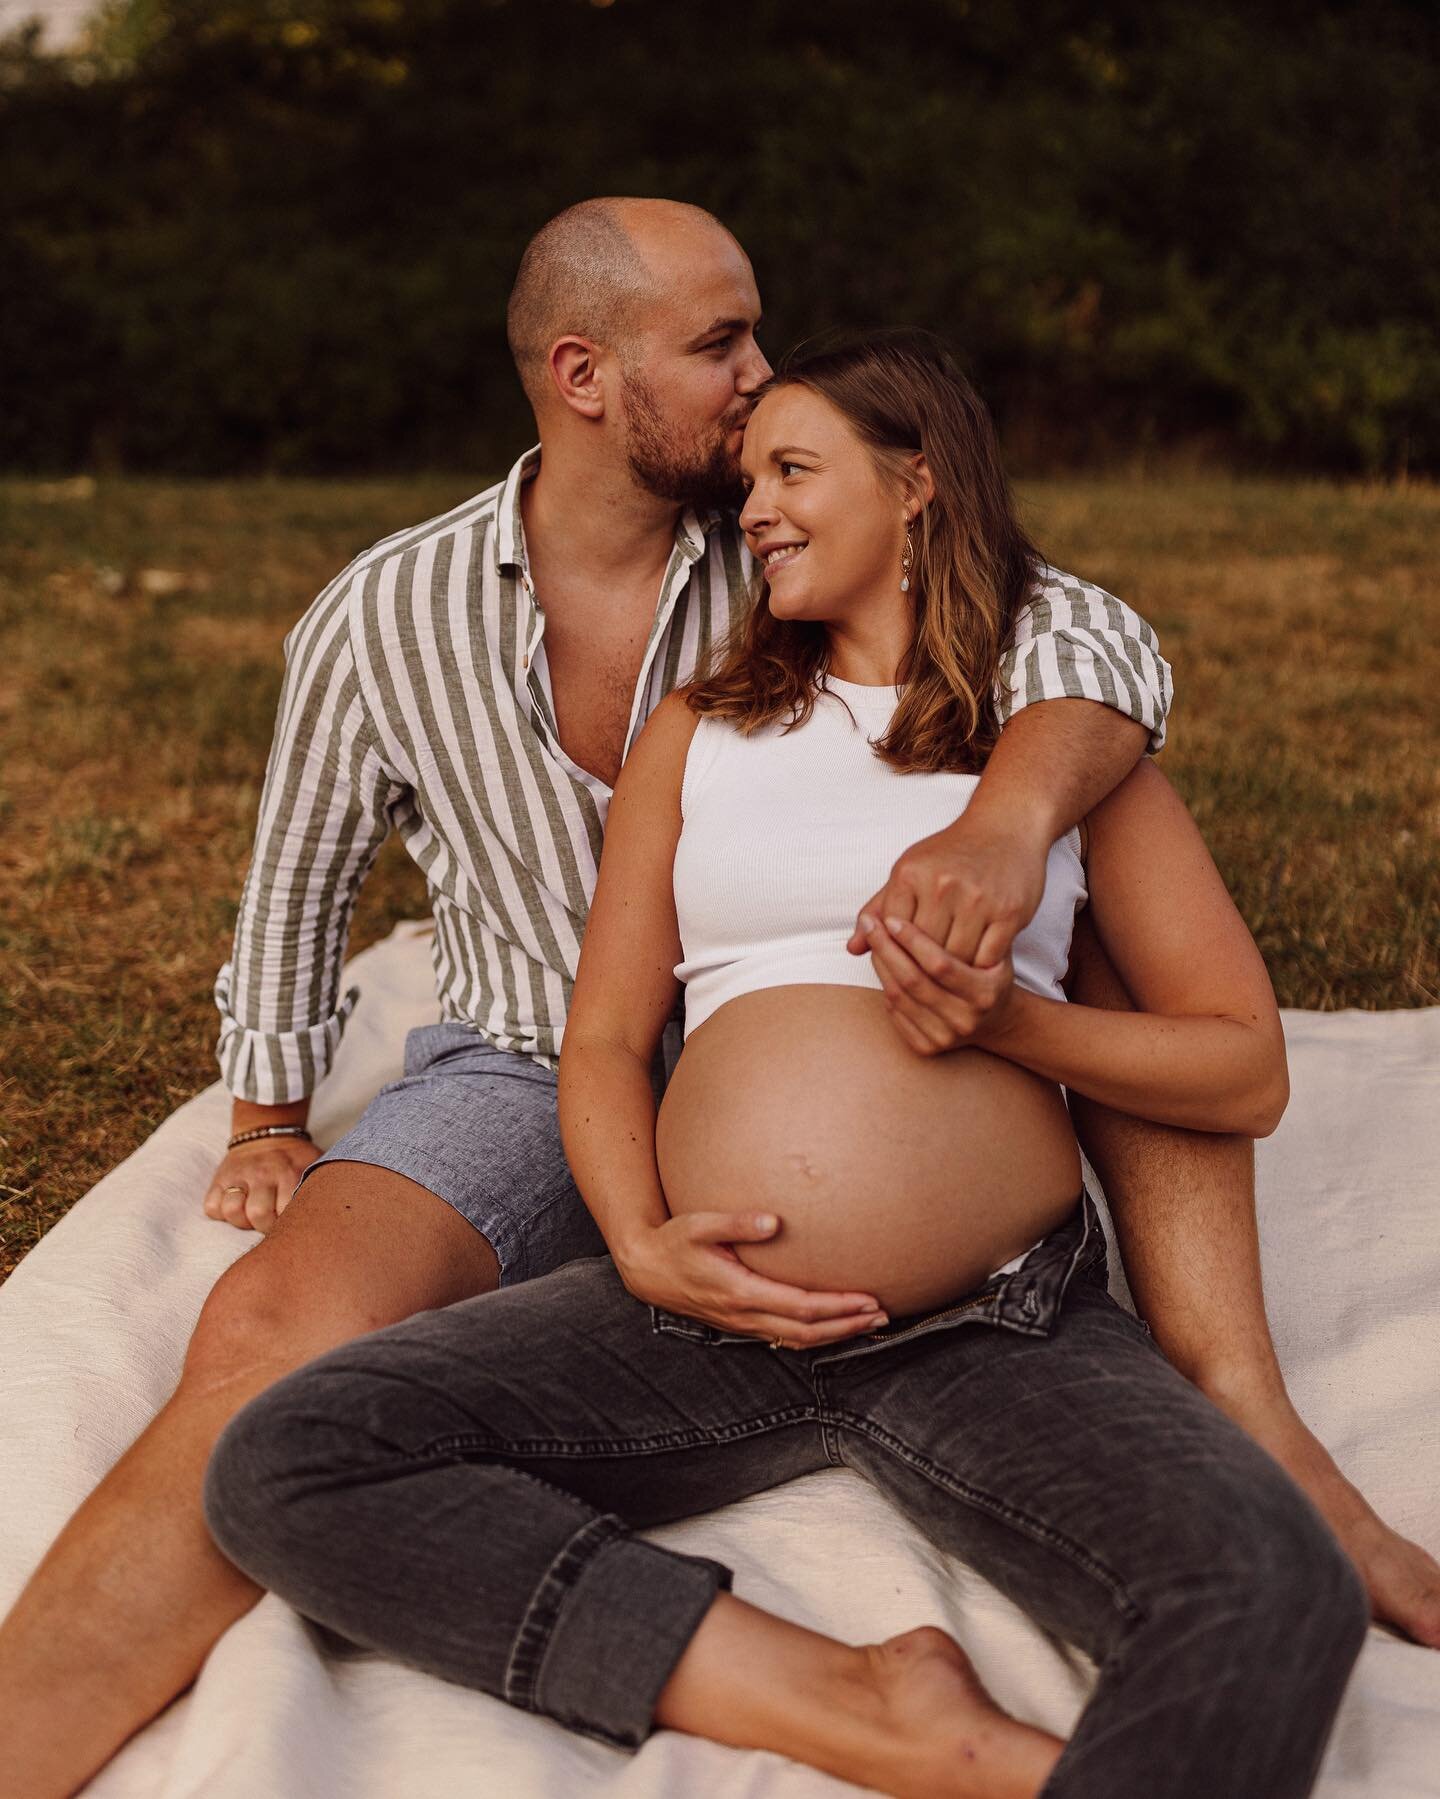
462	1490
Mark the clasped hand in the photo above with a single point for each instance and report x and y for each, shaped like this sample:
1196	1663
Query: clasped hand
939	934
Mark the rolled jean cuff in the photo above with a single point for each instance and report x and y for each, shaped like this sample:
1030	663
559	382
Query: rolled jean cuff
604	1631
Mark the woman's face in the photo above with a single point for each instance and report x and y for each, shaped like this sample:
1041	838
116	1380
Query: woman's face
826	529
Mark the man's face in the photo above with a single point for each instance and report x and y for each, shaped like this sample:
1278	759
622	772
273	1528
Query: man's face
691	371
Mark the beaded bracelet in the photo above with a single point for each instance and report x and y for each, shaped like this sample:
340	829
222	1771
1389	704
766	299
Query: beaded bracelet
269	1130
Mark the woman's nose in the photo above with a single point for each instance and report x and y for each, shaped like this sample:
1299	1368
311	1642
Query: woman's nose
756	513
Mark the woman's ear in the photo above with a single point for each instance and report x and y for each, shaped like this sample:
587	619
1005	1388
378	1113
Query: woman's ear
923	482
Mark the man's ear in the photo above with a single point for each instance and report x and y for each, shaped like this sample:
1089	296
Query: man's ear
575	372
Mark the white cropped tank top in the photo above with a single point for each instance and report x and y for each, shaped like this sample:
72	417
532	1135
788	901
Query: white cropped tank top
786	835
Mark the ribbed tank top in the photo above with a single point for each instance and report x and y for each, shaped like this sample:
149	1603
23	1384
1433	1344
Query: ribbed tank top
785	835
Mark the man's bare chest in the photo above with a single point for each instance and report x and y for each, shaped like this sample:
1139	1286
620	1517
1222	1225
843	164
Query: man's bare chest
593	677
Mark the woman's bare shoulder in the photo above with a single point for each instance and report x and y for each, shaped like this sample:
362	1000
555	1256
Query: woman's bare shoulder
652	774
659	752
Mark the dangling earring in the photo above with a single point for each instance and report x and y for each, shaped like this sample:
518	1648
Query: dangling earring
907	556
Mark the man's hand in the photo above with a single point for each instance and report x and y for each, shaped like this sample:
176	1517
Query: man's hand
687	1265
972	888
936	1001
253	1184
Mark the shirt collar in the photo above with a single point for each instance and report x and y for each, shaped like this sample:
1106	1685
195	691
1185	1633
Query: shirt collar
691	532
509	529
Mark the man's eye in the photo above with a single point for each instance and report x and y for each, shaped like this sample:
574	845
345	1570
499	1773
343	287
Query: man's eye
721	343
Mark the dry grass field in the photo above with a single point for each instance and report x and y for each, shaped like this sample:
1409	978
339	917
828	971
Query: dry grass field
140	625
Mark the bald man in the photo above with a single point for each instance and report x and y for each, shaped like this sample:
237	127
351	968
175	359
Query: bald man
475	684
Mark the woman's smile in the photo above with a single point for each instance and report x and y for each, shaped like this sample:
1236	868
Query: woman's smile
776	559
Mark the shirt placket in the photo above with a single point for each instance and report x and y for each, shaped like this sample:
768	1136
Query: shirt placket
541	708
687	550
677	574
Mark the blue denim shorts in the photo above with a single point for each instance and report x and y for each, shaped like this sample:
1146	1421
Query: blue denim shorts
479	1127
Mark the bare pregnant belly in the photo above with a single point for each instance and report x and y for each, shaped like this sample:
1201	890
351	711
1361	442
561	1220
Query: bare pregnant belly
906	1176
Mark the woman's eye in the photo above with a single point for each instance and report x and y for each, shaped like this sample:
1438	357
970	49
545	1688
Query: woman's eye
785	465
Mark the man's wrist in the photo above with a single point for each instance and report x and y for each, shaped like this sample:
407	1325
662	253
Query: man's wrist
247	1115
1026	818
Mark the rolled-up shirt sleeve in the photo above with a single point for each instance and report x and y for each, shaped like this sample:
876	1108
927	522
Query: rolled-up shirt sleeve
324	814
1075	641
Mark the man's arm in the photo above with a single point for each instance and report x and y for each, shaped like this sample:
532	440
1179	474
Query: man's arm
323	817
1082	692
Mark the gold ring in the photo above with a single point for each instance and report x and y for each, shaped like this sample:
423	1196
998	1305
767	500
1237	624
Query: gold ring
241	1189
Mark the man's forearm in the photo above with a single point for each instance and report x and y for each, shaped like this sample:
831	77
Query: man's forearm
1052	763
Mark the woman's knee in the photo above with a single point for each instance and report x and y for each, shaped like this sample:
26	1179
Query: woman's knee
285	1460
252	1477
1271	1559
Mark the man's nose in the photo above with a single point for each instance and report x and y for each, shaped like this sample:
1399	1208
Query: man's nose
755	372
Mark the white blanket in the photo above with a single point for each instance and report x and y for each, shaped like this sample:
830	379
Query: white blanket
94	1323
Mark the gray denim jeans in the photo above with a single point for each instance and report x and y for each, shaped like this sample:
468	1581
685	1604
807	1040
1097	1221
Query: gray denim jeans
461	1491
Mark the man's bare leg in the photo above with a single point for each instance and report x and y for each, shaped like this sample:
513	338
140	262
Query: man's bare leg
123	1610
1183	1203
907	1717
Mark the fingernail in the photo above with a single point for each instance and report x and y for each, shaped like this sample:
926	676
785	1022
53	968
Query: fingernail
867	923
893	925
766	1221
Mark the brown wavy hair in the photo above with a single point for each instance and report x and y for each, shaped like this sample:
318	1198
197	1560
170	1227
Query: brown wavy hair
974	567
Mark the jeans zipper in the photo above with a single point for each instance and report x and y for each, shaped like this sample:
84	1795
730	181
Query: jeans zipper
933	1319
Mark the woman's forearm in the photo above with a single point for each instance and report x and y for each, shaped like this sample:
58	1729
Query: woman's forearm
1207	1074
607	1127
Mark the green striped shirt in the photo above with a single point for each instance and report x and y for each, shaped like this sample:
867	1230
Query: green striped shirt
416	699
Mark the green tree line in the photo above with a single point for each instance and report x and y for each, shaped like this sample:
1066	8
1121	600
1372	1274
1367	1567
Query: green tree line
278	234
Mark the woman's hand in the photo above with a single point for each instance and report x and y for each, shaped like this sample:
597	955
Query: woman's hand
253	1184
688	1265
936	1001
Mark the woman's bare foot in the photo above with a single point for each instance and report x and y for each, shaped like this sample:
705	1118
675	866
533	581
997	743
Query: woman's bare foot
907	1717
950	1737
1402	1579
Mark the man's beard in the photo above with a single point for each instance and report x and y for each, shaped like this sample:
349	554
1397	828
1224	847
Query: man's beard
695	473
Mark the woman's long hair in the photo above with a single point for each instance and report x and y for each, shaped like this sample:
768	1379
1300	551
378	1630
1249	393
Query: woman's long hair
974	567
